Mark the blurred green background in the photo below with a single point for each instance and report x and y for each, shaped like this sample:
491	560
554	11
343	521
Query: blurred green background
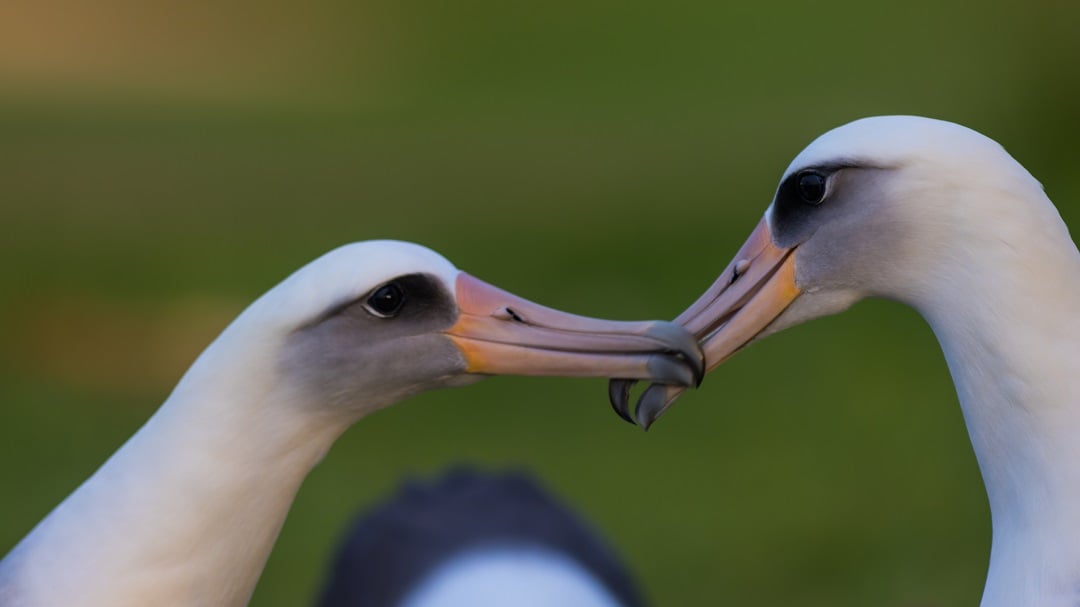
162	164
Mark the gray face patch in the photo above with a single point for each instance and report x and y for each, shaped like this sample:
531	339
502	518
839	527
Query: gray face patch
350	359
849	239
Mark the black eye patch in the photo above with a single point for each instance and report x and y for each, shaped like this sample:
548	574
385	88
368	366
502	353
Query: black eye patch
409	296
803	194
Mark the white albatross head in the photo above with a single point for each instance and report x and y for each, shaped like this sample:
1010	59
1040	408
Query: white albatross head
371	323
901	207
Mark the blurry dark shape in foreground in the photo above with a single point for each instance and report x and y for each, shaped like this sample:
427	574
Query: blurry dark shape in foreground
396	549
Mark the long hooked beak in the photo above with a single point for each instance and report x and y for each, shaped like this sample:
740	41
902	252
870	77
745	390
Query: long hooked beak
500	333
755	288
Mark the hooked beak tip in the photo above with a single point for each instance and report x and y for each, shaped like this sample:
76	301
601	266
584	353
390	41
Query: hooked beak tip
619	395
653	403
683	345
656	400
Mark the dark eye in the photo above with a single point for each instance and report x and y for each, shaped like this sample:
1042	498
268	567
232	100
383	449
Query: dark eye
811	187
387	300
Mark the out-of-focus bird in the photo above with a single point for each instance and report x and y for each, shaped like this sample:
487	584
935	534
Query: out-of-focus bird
474	539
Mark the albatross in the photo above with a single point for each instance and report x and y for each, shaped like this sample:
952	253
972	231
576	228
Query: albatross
471	538
943	219
187	510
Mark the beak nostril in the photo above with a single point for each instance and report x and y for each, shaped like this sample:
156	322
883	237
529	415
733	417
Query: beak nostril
507	314
741	267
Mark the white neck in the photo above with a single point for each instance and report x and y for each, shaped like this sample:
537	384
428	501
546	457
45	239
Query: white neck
186	512
1006	317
